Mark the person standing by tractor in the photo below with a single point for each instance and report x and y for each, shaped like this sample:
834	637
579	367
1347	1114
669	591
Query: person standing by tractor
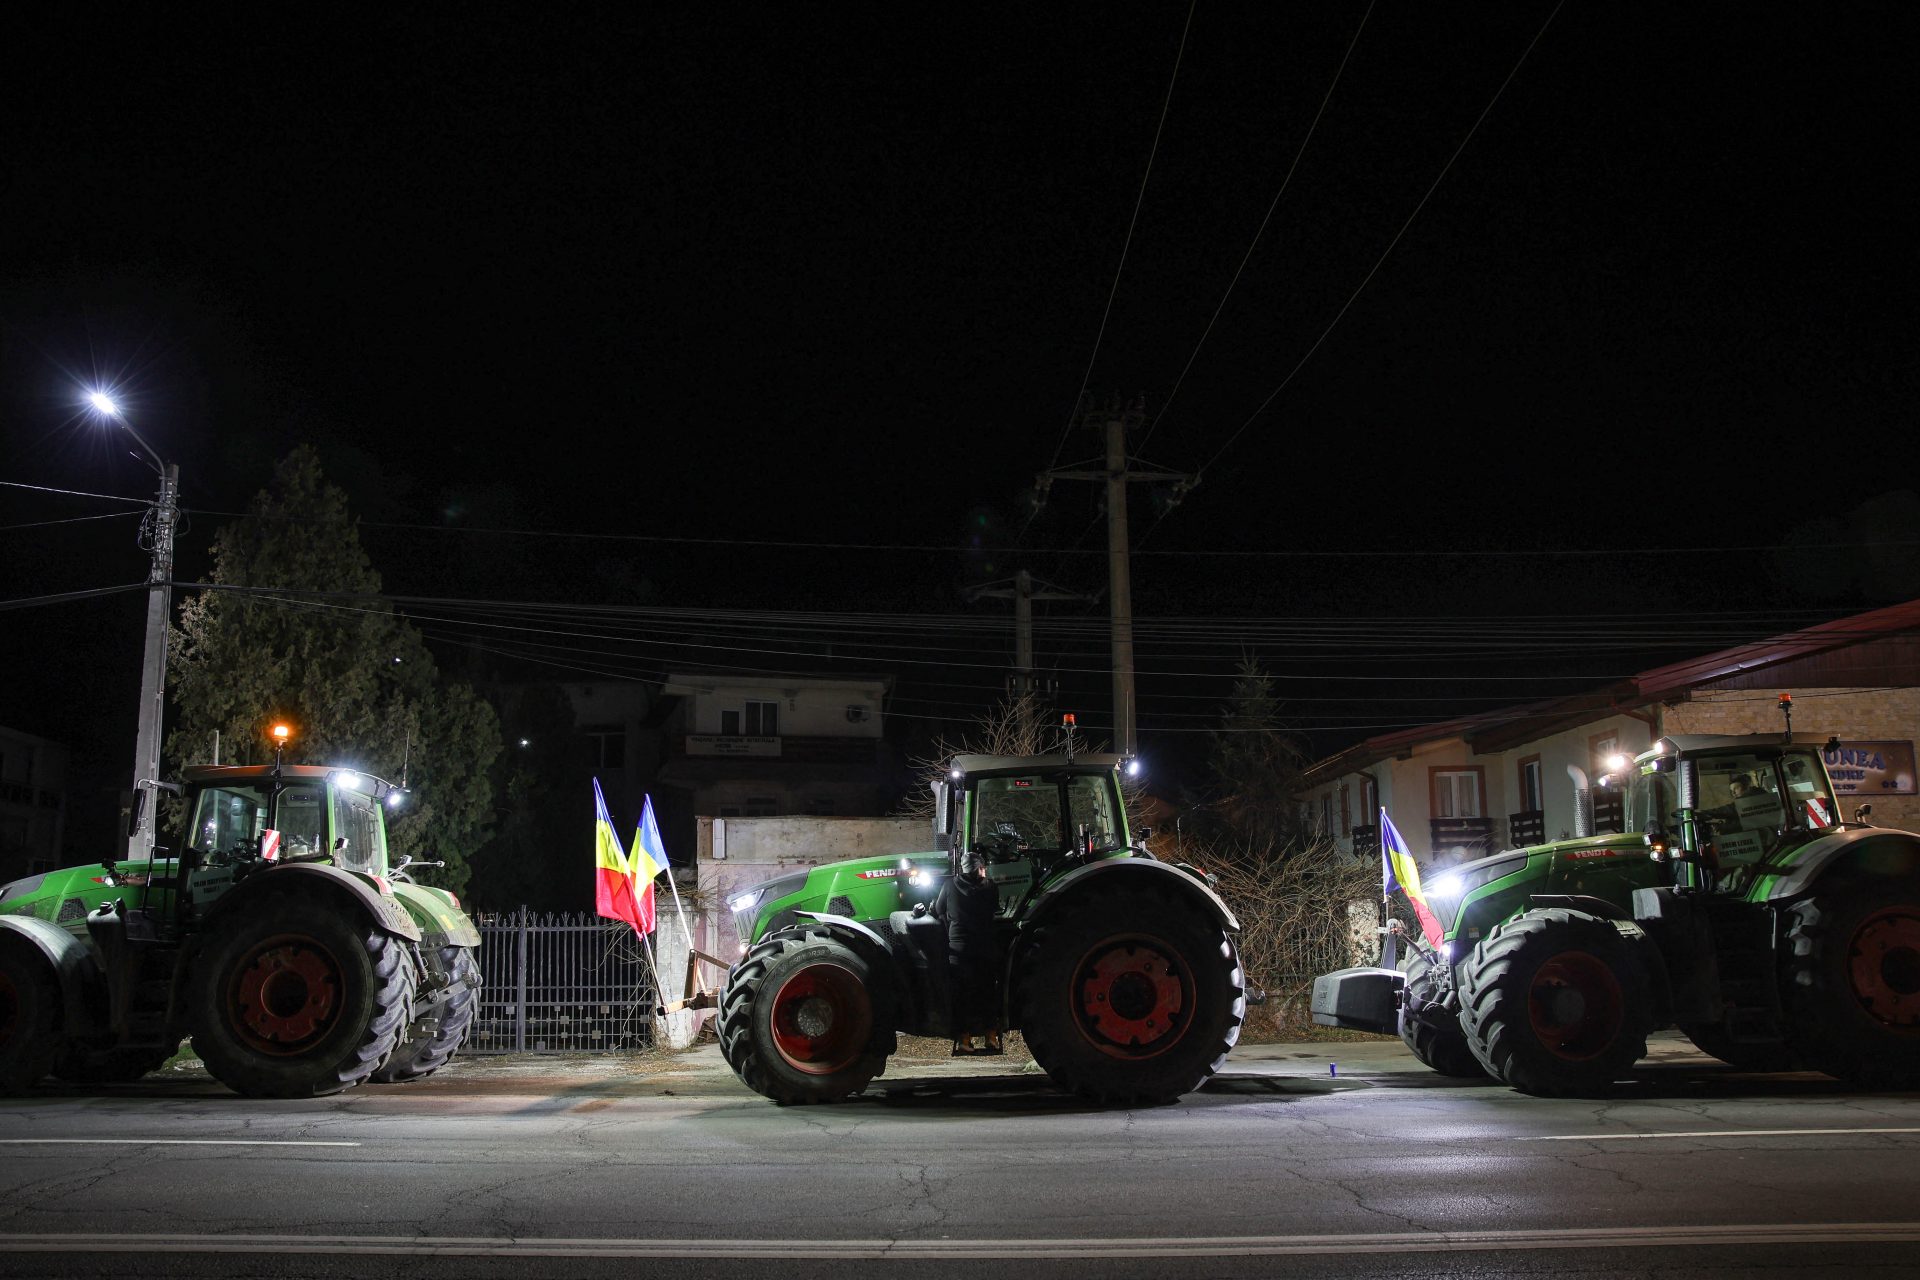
967	905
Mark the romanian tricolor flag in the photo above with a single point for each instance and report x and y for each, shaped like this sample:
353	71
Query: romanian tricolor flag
1397	870
647	859
612	878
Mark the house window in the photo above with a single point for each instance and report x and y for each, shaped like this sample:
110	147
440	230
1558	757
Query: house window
1326	814
1602	746
763	719
1346	811
1369	800
608	745
1530	790
1456	793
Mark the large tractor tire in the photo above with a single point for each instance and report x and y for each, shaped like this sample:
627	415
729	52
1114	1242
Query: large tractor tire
445	1000
805	1018
1713	1040
1555	1003
1853	983
1429	1028
1126	998
80	1065
299	998
29	1019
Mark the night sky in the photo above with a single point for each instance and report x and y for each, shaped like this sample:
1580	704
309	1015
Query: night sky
707	278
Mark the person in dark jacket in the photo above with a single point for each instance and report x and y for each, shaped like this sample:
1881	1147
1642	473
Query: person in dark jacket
967	905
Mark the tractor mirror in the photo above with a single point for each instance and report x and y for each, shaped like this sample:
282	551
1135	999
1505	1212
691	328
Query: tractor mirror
136	810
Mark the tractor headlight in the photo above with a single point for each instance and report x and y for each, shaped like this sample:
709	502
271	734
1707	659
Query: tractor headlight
919	878
746	901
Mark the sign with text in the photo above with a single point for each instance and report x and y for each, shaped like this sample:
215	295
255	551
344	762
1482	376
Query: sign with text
729	744
1872	768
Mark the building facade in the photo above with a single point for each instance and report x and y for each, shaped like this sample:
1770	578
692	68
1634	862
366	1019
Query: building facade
1464	788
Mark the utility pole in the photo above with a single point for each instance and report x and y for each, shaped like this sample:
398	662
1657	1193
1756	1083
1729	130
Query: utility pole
1021	590
156	535
1113	422
157	531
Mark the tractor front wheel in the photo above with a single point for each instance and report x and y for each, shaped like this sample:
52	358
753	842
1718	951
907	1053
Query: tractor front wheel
1126	997
1430	1028
1853	983
444	1003
803	1019
298	998
29	1016
1555	1003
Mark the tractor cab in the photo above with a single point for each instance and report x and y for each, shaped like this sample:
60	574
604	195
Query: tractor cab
1731	803
1030	817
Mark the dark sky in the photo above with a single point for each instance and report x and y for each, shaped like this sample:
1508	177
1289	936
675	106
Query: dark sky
835	276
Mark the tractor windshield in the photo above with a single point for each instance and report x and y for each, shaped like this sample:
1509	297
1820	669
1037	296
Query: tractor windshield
1651	798
360	839
1047	811
228	821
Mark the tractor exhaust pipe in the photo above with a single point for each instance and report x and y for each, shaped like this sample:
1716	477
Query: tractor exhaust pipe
1582	801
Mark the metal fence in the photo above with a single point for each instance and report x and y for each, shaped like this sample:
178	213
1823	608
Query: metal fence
561	984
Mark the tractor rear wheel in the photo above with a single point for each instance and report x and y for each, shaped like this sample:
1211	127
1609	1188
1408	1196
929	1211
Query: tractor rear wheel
78	1065
1125	997
29	1016
445	1000
1554	1002
1431	1029
1853	983
298	998
804	1017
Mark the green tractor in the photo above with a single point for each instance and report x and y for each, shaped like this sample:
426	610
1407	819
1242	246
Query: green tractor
1738	907
278	938
1118	969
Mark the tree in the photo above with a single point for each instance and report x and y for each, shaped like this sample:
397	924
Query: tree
310	641
537	854
1257	769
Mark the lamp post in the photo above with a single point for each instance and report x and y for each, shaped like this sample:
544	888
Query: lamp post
156	534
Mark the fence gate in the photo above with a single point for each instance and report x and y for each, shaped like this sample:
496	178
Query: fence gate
561	984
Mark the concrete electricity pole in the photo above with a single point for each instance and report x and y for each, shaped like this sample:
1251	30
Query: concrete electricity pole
156	534
1023	594
1114	422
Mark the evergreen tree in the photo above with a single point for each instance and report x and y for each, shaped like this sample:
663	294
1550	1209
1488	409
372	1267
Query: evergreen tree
1257	768
354	679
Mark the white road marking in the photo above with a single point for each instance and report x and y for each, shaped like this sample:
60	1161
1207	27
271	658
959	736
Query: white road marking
1754	1234
1707	1133
166	1142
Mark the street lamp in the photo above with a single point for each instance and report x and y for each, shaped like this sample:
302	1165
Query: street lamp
156	534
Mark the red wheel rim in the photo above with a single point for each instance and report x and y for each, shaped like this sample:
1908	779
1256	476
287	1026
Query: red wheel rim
822	1019
285	995
1883	963
1576	1006
1132	997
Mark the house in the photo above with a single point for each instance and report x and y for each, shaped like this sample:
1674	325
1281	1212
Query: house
750	745
1466	787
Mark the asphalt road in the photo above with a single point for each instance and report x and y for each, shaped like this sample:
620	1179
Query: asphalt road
1294	1162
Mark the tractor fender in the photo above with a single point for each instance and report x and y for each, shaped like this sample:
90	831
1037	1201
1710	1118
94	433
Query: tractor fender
1874	851
884	958
437	914
82	990
1581	902
321	881
1173	882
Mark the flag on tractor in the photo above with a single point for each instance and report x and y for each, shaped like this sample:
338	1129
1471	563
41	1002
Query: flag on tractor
612	877
1397	870
647	859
